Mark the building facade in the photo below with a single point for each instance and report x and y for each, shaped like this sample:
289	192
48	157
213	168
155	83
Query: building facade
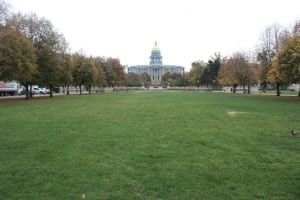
156	69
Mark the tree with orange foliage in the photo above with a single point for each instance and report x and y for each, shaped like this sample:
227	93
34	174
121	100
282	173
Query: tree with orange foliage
237	71
275	75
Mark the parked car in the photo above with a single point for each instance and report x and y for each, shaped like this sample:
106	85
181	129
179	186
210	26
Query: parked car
45	90
21	91
37	90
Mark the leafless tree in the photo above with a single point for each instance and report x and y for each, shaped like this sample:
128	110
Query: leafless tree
272	40
4	11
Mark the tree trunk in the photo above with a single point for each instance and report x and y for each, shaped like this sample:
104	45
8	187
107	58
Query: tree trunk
90	89
244	88
51	91
80	91
27	95
277	89
249	89
264	86
64	88
234	88
30	92
68	91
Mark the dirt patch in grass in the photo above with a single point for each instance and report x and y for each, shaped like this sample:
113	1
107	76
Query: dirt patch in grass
235	113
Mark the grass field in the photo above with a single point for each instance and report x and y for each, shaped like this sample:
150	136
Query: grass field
150	145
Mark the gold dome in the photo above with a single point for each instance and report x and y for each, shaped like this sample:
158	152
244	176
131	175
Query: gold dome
155	48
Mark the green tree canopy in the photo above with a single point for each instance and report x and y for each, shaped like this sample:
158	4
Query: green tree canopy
17	57
196	72
84	72
145	78
133	80
289	60
99	64
49	46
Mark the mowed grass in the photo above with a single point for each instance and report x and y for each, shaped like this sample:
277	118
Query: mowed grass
150	145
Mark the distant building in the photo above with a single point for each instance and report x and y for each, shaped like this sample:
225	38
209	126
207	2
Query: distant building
156	69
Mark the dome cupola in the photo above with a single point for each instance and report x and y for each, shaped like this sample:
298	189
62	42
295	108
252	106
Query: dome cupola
155	58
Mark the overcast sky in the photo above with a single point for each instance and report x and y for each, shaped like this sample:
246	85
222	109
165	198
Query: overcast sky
185	30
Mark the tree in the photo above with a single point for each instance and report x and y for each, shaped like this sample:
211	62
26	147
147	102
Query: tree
173	79
51	49
267	53
177	80
49	46
166	77
289	60
252	74
226	74
17	57
93	75
197	72
296	28
236	71
66	73
275	76
133	80
145	78
99	64
272	41
84	72
114	71
210	75
186	78
206	73
4	12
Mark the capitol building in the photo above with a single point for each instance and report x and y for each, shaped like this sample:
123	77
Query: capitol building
156	69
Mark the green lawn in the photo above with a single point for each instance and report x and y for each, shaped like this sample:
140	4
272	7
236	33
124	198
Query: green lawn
150	145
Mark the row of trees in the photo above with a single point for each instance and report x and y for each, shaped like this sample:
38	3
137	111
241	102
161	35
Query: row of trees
135	80
276	61
33	52
201	73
